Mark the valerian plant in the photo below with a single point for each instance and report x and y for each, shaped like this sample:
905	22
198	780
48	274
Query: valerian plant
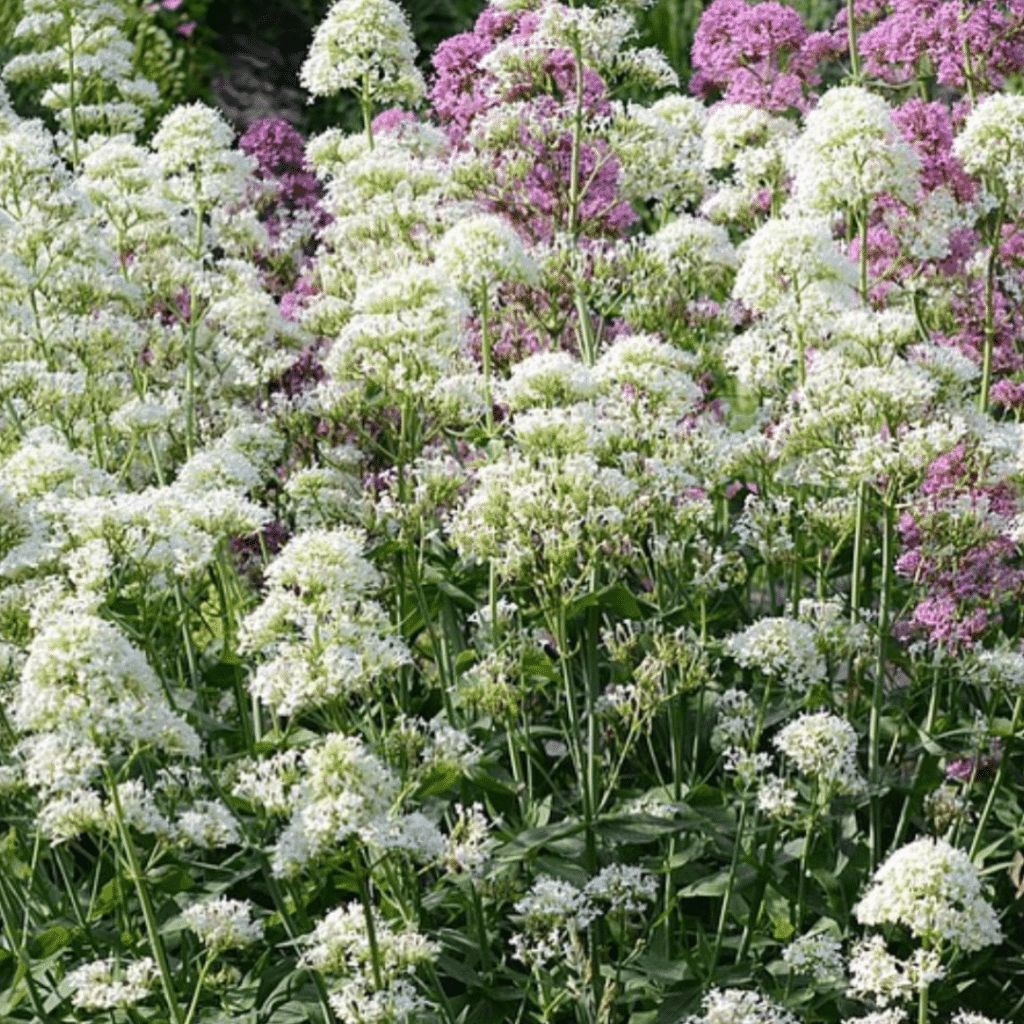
551	555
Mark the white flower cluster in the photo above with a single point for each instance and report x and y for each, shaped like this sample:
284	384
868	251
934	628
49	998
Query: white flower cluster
389	205
1002	668
86	63
364	45
320	634
740	1006
554	911
935	891
550	517
776	798
823	747
875	972
482	252
686	261
406	335
468	842
105	985
791	268
342	791
546	380
991	147
819	956
781	648
223	924
745	765
659	150
209	825
340	946
849	153
735	714
744	147
894	1015
85	687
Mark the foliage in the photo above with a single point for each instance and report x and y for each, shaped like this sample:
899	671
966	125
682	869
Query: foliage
550	554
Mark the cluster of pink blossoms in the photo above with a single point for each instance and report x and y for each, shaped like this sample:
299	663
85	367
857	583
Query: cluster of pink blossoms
965	587
760	54
535	200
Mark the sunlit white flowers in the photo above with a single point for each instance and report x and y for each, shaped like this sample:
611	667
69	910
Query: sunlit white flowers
364	46
223	924
934	890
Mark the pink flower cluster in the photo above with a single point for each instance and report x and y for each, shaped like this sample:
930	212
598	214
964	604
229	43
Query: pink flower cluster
536	199
928	127
966	44
965	584
280	156
760	54
185	28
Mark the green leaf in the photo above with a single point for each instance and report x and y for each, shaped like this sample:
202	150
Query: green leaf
53	940
171	879
438	780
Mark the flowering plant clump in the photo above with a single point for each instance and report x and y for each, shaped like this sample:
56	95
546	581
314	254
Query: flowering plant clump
553	555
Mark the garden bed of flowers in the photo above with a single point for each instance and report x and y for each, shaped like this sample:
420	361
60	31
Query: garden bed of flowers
553	555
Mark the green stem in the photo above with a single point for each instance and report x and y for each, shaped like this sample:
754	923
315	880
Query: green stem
858	553
929	726
481	928
371	929
199	987
990	327
805	853
852	38
367	107
755	906
723	914
922	1006
485	352
152	928
577	141
997	782
878	689
588	339
17	938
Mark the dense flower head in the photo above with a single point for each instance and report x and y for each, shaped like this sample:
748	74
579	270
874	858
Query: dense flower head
740	1006
83	675
818	955
823	747
339	944
958	544
106	985
82	56
935	891
991	147
622	888
223	924
966	46
364	44
761	54
782	648
320	633
658	148
849	154
877	974
793	266
928	127
483	252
